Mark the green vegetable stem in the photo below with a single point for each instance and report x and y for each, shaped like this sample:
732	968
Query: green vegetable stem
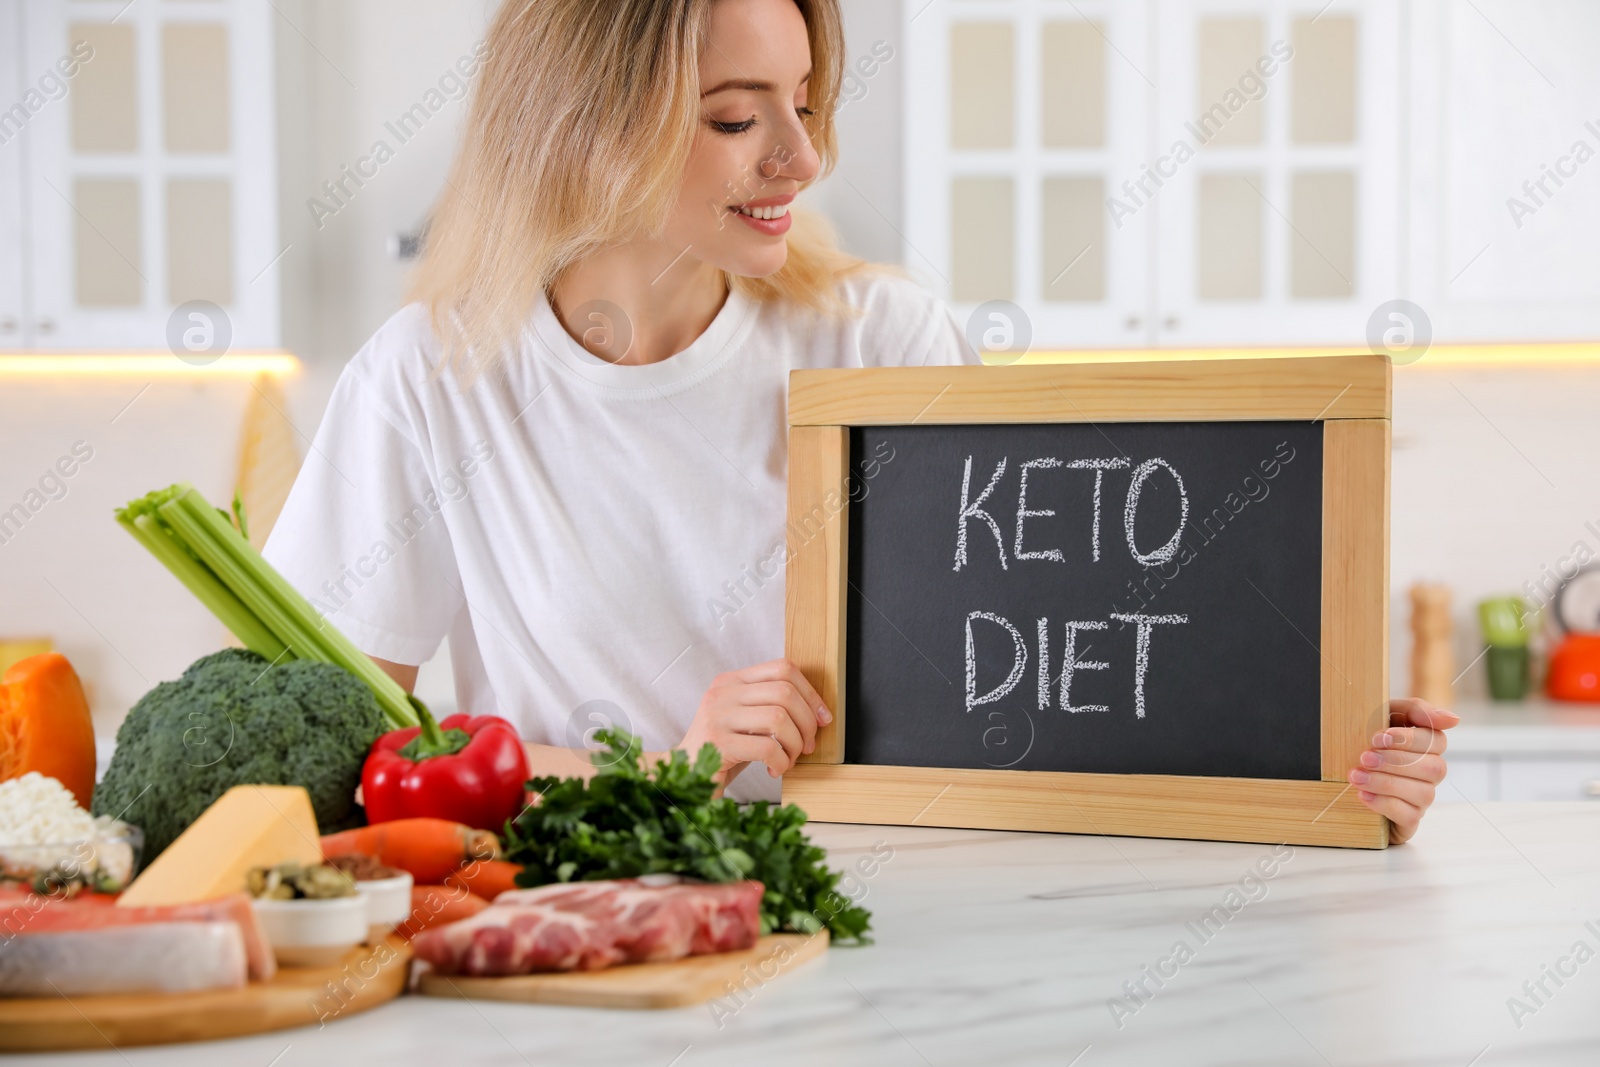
628	821
202	548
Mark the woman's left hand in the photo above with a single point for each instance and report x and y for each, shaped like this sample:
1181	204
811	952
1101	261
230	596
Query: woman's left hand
1396	777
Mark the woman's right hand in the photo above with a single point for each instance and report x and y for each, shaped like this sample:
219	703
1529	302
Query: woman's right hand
768	712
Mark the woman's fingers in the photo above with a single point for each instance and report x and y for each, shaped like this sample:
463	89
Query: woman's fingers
753	748
783	670
768	721
783	694
1414	711
1427	767
768	713
1397	776
1413	791
1411	739
1403	816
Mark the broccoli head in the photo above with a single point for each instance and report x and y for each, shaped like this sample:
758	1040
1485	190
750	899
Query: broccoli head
234	719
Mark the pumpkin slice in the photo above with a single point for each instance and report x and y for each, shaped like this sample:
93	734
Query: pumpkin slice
45	724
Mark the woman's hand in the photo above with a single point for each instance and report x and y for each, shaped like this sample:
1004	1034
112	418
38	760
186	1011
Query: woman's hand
1397	775
768	712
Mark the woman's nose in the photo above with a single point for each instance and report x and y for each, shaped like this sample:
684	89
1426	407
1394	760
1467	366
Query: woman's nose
793	157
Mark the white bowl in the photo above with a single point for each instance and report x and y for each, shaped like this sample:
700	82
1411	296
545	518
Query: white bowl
388	904
311	933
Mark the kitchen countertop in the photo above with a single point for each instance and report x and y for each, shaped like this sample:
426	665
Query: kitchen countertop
1005	948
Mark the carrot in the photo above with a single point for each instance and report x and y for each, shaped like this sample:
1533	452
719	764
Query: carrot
429	849
45	725
487	878
435	905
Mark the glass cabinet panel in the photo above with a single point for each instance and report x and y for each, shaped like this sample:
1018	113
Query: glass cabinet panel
981	222
108	242
194	86
1322	242
105	94
1073	85
982	111
1322	106
200	240
1230	237
1073	227
1228	48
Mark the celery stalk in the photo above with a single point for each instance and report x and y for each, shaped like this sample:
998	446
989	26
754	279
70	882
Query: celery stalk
208	555
278	599
204	585
292	632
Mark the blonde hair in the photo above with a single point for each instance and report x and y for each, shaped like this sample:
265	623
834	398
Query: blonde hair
578	136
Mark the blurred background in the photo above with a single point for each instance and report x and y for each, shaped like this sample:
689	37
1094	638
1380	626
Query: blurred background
206	207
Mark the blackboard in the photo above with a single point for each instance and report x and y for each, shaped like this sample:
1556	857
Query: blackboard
1264	620
1207	556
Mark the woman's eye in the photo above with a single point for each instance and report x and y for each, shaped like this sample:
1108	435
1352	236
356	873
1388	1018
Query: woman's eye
740	127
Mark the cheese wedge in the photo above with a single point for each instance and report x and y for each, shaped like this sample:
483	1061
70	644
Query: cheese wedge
249	826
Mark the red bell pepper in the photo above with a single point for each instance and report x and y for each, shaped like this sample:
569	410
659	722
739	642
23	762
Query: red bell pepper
470	769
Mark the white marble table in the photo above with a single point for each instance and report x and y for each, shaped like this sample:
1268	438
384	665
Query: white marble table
1005	948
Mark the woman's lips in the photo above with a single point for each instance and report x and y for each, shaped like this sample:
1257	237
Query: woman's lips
771	227
777	206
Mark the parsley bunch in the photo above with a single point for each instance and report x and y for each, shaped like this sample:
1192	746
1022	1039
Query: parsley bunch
629	820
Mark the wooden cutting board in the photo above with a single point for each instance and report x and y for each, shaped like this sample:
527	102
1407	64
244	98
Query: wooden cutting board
296	996
694	980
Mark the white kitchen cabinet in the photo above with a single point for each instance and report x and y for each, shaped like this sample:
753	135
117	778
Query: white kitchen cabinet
1549	779
1503	149
1374	163
1521	777
1280	229
1230	178
12	91
1536	750
148	189
1474	780
1021	119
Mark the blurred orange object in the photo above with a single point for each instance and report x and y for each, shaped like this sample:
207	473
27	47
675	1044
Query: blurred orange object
45	724
1574	672
488	878
435	905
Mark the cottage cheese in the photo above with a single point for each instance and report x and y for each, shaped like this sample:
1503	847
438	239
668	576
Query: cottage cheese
35	810
42	828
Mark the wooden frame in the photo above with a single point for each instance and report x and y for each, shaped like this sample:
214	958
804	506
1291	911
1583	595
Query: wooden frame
1350	395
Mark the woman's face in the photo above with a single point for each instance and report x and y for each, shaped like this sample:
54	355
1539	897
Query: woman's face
752	151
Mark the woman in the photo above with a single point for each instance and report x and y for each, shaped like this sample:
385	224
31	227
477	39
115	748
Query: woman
568	451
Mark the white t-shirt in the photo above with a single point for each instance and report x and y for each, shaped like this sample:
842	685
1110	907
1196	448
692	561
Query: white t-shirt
597	541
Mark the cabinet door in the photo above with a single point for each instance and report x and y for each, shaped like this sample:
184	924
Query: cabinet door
1505	187
1278	195
1021	119
151	188
14	120
1524	779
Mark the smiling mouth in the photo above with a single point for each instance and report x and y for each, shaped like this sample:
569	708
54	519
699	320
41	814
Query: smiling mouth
768	213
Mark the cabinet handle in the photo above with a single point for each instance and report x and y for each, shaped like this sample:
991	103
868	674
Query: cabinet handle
1133	322
46	325
1170	322
8	325
1592	787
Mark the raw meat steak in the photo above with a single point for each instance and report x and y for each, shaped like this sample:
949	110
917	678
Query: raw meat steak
584	926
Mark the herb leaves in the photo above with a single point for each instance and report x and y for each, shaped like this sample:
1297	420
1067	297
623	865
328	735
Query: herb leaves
630	820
